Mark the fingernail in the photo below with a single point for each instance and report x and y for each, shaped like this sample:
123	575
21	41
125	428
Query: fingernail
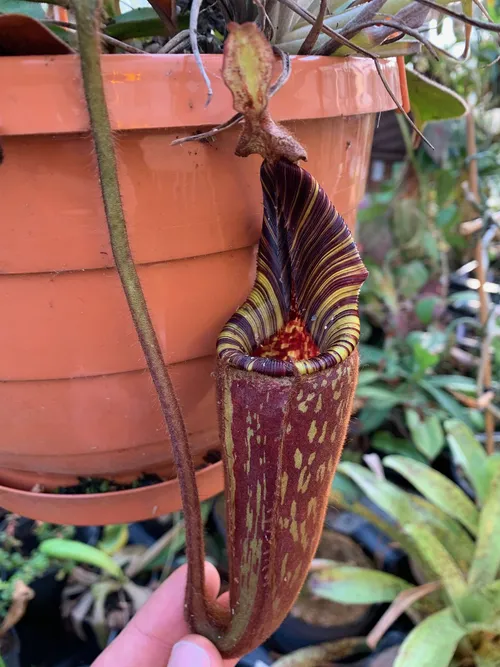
187	654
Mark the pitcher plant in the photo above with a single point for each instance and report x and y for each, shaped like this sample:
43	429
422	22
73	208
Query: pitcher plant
287	360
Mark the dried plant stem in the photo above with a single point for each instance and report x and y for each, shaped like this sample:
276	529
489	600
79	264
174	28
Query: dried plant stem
105	38
193	36
399	106
87	14
460	16
401	604
211	133
181	40
485	375
310	40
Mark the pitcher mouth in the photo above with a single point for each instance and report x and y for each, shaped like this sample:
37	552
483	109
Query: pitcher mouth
302	315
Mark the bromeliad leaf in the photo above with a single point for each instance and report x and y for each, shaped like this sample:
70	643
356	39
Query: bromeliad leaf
449	532
324	654
387	496
387	443
247	71
355	585
432	643
469	455
438	489
439	559
405	507
486	561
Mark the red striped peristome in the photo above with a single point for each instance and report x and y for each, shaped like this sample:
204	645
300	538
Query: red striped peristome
284	416
307	259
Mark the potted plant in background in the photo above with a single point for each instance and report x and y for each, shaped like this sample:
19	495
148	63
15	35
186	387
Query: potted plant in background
92	410
450	540
25	572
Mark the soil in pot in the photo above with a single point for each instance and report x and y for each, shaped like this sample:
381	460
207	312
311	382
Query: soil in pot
99	485
313	620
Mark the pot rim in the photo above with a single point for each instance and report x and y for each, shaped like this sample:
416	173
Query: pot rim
152	92
128	506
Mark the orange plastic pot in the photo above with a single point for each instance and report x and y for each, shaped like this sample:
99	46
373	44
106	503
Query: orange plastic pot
75	398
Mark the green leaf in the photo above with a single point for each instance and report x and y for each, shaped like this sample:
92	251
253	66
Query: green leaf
446	401
439	559
386	442
355	585
367	376
411	277
469	454
349	491
438	489
426	433
430	101
486	561
424	308
33	9
427	348
370	355
371	417
432	643
453	382
114	538
73	550
137	23
384	397
452	535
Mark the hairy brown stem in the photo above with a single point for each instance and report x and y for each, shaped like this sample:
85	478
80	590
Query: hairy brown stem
87	14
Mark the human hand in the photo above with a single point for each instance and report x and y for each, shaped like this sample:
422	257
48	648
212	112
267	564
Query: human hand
158	635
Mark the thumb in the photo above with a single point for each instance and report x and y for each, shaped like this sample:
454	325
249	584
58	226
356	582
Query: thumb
194	651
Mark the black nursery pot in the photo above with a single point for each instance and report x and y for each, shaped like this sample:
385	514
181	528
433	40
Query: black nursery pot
10	649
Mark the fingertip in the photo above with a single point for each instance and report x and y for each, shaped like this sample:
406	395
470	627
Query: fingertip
195	651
